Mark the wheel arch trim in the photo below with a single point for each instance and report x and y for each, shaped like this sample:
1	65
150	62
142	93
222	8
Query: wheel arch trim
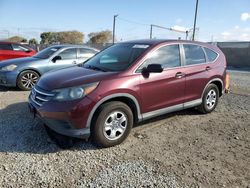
113	96
213	80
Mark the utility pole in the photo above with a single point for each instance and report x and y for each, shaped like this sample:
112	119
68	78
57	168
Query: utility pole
195	17
114	20
186	35
151	31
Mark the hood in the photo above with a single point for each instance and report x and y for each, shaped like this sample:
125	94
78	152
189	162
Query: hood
18	61
70	77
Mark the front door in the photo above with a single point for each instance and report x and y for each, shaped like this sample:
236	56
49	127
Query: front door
67	58
166	89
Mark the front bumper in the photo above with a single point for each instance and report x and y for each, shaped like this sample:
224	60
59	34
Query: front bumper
68	123
8	78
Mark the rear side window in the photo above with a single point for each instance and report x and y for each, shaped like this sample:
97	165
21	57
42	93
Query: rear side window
194	54
86	53
5	47
167	56
68	54
211	55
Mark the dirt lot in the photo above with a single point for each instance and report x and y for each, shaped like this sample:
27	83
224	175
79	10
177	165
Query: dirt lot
183	149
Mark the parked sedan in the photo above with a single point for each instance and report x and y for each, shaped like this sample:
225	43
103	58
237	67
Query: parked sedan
25	72
10	50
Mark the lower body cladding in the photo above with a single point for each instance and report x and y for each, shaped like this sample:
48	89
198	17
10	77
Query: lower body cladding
8	78
69	123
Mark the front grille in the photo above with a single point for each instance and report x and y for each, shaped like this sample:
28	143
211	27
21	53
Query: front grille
40	96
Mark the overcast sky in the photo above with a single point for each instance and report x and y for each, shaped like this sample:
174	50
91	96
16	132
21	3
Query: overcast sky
218	20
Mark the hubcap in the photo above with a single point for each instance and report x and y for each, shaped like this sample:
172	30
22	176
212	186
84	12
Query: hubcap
29	80
115	125
211	99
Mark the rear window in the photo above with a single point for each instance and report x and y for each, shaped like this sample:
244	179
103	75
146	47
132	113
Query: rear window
211	55
17	47
194	54
5	47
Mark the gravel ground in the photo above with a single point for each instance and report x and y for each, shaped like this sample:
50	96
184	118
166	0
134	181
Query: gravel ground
183	149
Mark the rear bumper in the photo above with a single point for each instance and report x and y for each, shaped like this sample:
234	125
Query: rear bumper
8	79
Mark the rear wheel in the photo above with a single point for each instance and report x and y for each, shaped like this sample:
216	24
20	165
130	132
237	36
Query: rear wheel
113	124
210	99
27	79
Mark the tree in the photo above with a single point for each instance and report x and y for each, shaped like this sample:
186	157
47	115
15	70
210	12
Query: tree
63	37
33	41
48	38
17	39
100	37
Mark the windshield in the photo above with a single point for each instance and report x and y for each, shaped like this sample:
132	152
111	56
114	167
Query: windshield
117	57
47	52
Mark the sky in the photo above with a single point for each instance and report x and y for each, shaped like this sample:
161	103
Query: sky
218	20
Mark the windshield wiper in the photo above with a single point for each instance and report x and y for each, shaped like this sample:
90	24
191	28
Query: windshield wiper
94	68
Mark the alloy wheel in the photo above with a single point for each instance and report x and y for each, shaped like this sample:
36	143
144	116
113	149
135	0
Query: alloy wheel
211	99
115	125
29	80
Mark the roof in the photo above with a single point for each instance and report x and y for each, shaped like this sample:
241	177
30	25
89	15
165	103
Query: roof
8	42
72	45
159	41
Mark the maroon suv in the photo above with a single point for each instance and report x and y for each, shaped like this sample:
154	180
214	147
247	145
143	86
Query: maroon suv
127	83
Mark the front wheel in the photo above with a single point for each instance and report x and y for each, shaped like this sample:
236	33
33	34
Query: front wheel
113	124
27	79
210	99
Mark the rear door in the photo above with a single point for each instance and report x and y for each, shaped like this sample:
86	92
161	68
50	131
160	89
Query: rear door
166	89
84	54
197	71
6	52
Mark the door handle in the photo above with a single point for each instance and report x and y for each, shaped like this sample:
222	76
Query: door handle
208	68
74	62
179	75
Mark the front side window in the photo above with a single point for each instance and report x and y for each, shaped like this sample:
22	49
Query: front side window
117	57
47	52
167	56
68	54
194	54
211	55
5	47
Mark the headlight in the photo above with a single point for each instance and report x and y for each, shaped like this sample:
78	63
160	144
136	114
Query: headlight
9	67
73	93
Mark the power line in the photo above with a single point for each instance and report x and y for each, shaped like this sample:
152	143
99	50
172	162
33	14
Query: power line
133	22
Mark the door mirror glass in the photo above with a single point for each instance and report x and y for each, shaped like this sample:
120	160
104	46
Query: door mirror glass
153	68
56	58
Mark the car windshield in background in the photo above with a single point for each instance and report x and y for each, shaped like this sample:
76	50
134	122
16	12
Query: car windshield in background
117	57
47	52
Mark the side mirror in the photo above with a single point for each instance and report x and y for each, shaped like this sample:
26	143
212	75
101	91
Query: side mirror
152	68
56	58
28	51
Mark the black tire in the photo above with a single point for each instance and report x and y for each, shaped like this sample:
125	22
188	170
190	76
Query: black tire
107	113
205	107
27	79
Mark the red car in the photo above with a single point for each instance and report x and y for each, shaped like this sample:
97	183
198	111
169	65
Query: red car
127	83
10	50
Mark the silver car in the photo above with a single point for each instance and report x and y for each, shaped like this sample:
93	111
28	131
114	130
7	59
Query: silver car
25	72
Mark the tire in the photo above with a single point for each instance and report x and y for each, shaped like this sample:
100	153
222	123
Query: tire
210	99
27	79
113	124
